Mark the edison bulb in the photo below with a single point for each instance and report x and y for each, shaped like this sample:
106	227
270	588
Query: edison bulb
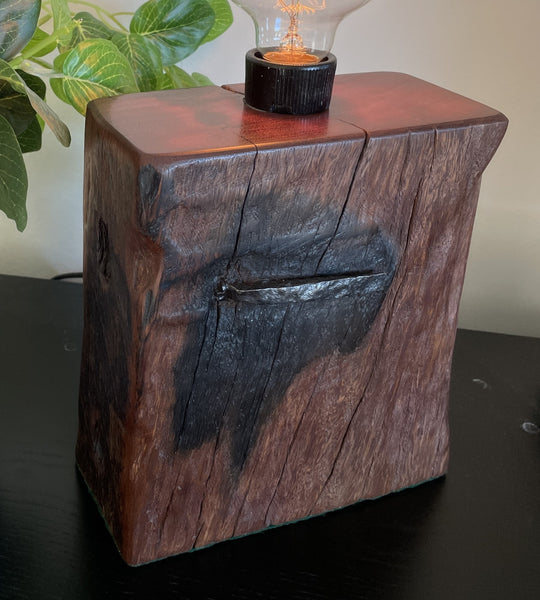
296	32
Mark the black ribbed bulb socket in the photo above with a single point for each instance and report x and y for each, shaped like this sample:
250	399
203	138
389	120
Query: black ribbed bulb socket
289	89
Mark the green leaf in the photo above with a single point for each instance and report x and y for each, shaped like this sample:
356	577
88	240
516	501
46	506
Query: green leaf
13	178
30	138
201	80
88	27
15	108
38	104
63	23
94	69
57	83
144	58
175	77
176	27
55	124
35	83
8	74
224	19
18	20
61	13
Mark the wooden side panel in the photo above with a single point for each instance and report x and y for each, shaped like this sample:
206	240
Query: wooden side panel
119	262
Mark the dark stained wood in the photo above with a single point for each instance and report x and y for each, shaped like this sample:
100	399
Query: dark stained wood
270	303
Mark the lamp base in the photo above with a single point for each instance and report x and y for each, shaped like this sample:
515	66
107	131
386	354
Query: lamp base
289	89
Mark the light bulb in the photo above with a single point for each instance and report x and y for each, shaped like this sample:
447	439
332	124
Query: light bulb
297	31
292	70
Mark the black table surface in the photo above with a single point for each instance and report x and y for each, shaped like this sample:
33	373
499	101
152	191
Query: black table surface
472	534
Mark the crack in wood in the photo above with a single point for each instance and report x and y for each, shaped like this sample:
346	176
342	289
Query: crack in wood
291	444
389	313
183	416
168	508
255	407
242	211
345	203
200	526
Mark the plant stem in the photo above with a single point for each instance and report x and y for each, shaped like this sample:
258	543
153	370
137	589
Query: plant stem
27	53
104	13
44	19
42	63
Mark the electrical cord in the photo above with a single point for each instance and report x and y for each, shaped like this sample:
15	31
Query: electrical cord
68	276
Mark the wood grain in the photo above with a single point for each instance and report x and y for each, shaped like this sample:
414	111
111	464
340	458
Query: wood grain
270	303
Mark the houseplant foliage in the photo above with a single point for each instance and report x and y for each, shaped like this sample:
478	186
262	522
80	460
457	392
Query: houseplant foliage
87	54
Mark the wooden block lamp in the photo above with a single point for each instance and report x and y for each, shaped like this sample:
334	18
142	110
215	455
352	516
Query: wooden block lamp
270	303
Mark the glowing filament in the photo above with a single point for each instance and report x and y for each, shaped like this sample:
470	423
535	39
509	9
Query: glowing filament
292	49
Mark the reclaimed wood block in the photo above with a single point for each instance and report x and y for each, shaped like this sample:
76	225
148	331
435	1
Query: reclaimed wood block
270	303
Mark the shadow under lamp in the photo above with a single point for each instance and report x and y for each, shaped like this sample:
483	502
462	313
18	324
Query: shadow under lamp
292	70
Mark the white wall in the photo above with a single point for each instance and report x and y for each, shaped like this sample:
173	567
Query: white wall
485	49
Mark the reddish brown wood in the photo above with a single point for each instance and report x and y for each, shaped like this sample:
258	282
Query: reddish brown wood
205	416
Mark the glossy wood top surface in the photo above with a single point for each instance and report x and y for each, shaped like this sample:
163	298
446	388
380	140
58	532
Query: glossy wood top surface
214	120
389	102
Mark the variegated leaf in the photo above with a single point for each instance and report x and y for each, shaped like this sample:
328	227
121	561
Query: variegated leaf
144	58
17	110
176	27
87	27
224	19
18	21
13	178
54	122
175	77
94	69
